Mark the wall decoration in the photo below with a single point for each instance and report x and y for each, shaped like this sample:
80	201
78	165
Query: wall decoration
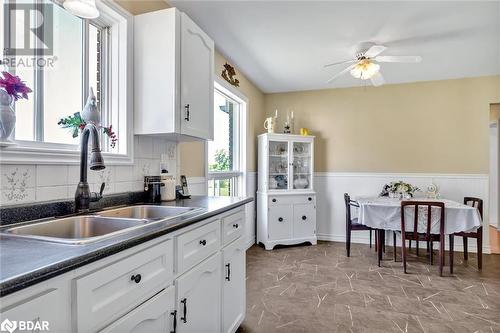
228	74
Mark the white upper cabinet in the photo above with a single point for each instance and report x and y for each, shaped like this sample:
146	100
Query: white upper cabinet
173	76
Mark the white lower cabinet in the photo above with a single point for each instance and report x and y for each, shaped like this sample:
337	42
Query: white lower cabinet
233	288
286	219
304	220
199	298
192	280
153	316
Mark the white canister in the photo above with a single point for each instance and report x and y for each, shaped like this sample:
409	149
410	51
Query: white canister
168	190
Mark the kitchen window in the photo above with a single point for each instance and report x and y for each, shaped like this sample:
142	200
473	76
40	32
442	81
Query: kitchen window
226	153
85	54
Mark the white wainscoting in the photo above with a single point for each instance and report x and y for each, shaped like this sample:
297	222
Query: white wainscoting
198	186
331	186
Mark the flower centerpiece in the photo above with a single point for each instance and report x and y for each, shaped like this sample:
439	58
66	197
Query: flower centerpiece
12	88
399	189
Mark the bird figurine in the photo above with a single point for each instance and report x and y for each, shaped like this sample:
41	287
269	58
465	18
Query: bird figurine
90	112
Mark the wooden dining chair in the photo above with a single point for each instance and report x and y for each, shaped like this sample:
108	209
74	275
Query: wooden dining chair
478	234
426	236
351	224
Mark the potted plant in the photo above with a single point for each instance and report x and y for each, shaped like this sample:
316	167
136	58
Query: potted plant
12	88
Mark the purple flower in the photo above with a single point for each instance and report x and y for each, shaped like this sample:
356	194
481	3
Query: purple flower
14	86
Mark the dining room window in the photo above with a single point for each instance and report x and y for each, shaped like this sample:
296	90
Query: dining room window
84	54
225	154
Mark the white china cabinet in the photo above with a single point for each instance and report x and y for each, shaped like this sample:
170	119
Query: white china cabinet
286	201
173	75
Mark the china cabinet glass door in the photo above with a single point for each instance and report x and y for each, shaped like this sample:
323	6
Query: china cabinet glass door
278	165
301	172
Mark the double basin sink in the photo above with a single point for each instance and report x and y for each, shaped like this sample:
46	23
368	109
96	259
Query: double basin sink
84	229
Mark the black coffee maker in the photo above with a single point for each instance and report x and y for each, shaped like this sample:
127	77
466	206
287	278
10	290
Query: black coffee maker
152	189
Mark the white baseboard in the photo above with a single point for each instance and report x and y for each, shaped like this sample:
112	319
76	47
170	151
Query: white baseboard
249	243
359	237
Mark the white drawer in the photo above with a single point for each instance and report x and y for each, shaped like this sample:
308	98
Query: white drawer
196	245
232	227
112	291
291	199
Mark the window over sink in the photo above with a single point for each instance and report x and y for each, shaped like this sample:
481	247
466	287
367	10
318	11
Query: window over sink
84	54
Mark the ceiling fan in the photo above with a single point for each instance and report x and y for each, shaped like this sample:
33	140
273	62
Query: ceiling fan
365	64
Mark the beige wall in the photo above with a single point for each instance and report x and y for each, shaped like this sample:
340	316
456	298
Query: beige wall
137	7
428	127
495	111
193	153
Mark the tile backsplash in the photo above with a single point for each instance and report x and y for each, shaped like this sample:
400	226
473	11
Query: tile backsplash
26	183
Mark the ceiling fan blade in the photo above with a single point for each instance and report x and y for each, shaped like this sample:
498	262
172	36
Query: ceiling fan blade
374	51
377	79
341	73
340	63
402	59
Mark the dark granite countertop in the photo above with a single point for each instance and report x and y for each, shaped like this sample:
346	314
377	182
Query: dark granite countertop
25	262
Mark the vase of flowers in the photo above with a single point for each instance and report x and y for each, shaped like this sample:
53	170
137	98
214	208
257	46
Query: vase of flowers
11	90
399	190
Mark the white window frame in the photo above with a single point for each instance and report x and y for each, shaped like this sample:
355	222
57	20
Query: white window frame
119	98
240	151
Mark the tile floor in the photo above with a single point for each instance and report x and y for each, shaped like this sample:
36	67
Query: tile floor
319	289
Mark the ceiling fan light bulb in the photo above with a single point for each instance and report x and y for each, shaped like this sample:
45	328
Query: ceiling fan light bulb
365	70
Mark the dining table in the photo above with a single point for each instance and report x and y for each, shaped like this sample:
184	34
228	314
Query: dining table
384	214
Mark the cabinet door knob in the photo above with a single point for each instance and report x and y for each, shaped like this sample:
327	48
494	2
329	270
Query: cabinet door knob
186	107
304	218
184	317
136	278
310	199
203	242
280	219
274	200
235	226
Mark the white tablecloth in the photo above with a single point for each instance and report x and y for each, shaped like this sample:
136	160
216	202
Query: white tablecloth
385	213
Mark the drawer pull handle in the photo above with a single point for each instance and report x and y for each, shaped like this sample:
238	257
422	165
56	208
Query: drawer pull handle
310	199
274	200
203	242
186	107
280	219
235	226
184	317
304	218
228	276
136	278
174	314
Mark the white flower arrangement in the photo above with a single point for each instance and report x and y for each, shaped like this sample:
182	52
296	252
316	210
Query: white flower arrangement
399	187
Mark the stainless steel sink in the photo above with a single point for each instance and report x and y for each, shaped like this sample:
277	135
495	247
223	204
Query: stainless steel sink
148	212
75	230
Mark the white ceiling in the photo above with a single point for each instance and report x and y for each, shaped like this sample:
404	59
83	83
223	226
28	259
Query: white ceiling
283	45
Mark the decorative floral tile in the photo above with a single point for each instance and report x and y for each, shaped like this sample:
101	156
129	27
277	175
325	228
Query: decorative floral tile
15	183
